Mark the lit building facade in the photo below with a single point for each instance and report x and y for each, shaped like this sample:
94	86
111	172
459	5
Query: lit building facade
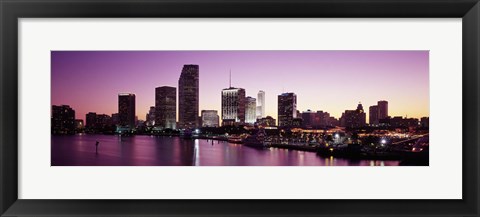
266	122
126	110
210	118
188	97
150	117
233	106
287	109
261	104
250	110
166	107
62	120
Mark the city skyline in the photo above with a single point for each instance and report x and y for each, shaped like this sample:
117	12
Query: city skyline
322	80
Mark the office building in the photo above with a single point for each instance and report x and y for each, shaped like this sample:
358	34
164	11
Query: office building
373	115
210	118
250	110
126	110
62	120
261	104
166	107
233	106
353	118
287	109
382	109
188	97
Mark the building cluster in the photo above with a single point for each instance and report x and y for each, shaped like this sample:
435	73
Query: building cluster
236	109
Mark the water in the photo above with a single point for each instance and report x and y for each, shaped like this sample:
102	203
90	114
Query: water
79	150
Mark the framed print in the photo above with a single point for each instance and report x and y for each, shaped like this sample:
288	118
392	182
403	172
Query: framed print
239	108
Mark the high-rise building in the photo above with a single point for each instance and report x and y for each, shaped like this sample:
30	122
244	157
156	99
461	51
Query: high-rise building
115	119
261	104
382	109
287	109
126	110
62	120
91	120
210	118
373	115
166	107
150	117
353	118
188	98
233	106
250	111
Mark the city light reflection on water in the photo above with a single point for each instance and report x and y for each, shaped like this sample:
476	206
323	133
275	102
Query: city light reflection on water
79	150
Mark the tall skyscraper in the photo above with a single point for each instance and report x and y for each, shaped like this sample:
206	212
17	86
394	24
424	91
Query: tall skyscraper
382	109
150	117
250	110
188	98
166	107
233	106
287	109
373	115
261	104
210	118
62	120
126	110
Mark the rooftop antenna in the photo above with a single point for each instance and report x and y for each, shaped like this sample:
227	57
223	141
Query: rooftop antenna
230	78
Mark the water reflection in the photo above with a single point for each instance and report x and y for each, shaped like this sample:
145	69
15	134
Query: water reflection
79	150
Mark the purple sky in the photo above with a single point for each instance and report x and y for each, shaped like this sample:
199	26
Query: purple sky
331	81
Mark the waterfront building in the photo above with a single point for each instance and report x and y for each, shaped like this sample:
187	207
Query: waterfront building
373	115
233	106
62	120
309	119
79	125
353	118
150	117
166	107
250	110
126	110
188	97
266	122
382	109
425	122
210	118
260	104
287	109
91	120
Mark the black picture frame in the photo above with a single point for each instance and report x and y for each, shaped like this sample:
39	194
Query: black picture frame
12	10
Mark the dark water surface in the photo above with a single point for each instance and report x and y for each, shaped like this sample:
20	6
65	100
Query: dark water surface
79	150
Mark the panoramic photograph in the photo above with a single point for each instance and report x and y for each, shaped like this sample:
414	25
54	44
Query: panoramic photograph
240	108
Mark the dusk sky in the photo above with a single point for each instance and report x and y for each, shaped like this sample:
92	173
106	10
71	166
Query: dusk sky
332	81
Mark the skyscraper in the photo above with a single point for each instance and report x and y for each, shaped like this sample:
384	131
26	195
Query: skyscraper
210	118
261	104
62	120
382	109
91	120
233	106
150	117
166	107
287	109
188	98
373	115
250	111
126	110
